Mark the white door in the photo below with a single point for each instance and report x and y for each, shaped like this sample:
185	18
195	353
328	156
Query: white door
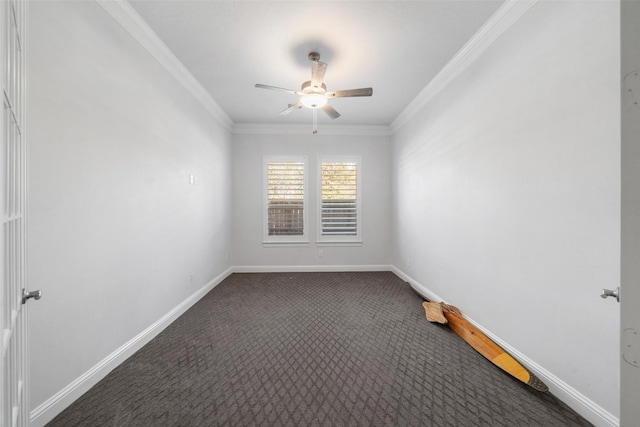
13	182
630	272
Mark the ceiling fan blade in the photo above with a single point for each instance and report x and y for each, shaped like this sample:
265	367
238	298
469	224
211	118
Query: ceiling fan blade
291	108
365	91
317	73
331	112
281	89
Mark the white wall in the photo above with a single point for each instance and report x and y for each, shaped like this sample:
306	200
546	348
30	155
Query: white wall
116	229
248	152
506	193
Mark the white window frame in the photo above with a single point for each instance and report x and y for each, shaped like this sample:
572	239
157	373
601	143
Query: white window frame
285	240
329	240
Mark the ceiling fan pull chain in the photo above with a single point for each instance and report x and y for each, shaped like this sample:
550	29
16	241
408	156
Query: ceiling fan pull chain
315	121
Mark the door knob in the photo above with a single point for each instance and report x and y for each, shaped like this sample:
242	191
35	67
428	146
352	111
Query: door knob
33	294
611	293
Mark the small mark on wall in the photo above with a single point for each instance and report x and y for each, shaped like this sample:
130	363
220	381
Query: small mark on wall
631	347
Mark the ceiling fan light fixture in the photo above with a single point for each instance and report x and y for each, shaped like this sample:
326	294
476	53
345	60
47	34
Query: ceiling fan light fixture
314	100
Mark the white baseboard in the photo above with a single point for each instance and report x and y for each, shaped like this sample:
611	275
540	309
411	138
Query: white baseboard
58	402
308	268
584	406
425	292
65	397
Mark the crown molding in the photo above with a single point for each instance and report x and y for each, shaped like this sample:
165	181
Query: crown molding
500	21
124	14
299	129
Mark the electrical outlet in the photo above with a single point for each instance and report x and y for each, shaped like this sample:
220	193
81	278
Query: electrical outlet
320	253
408	262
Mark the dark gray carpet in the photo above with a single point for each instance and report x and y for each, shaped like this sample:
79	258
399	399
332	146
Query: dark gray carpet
311	349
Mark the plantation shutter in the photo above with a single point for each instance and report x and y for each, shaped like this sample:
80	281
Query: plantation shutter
339	213
285	198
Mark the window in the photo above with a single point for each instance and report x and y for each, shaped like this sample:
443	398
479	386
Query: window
339	200
285	186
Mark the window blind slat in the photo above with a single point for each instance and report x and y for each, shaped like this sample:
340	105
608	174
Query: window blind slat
285	192
338	210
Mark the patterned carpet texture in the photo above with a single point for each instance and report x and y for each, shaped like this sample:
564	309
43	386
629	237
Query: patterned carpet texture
311	349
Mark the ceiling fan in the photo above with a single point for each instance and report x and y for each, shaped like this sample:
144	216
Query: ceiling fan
313	93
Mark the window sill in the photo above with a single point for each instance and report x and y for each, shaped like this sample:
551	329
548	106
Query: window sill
284	244
354	243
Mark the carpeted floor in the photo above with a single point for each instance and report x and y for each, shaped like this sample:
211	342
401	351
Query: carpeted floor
311	349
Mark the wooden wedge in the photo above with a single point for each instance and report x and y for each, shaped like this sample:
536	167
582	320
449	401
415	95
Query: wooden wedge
434	312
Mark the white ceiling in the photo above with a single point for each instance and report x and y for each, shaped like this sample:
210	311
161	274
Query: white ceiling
396	47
